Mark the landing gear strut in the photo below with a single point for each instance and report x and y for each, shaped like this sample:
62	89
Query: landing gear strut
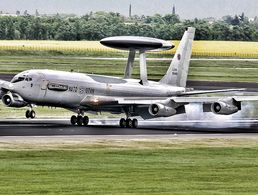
30	114
79	120
129	123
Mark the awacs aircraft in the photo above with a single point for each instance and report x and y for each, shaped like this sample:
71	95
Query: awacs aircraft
82	93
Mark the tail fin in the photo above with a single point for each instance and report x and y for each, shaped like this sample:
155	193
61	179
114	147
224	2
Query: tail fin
178	70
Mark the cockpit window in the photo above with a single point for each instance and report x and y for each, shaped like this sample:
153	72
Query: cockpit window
17	79
28	79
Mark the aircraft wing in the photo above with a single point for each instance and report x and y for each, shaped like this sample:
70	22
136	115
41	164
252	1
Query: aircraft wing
213	99
141	101
104	100
176	105
198	92
153	107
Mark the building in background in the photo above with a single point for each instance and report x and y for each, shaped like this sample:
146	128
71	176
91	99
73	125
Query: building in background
174	10
130	11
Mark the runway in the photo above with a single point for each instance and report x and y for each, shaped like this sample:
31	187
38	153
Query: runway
62	127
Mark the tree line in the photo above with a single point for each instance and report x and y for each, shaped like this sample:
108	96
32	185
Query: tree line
95	26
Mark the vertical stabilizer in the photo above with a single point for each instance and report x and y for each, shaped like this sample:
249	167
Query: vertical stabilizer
178	70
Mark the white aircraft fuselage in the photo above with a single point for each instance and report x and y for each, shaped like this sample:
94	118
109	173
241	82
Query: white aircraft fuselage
69	89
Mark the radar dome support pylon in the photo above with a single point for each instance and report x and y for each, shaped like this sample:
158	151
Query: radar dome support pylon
134	44
143	68
129	65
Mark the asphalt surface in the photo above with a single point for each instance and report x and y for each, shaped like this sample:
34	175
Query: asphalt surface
211	85
54	127
6	77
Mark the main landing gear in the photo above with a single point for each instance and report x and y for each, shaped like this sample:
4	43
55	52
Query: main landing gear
80	120
30	114
129	123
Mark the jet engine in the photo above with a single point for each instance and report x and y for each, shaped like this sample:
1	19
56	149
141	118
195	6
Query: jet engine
226	106
2	93
160	110
13	100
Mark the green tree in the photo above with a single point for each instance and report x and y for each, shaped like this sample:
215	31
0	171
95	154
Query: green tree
171	19
10	29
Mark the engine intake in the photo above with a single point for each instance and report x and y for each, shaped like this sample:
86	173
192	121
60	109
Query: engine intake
226	107
2	93
13	100
160	110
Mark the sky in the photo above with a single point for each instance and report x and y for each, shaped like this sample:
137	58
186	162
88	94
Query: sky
186	9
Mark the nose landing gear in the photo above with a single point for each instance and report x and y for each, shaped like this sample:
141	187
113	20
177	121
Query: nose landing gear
30	114
79	120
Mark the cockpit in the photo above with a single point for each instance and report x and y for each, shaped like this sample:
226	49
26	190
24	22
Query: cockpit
17	79
20	78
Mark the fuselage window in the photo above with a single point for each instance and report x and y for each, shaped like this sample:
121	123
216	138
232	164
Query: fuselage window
57	87
28	79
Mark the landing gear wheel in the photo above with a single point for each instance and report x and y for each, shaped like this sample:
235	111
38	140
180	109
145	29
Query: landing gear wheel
85	120
27	114
79	120
135	123
73	120
32	114
122	123
129	123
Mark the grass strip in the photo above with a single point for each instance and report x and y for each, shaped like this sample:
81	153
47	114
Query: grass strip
170	166
230	71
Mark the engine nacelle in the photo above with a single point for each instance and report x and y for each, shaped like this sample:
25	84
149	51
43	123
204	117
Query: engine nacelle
13	100
160	110
226	107
2	93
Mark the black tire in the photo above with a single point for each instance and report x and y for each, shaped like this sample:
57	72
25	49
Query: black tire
85	120
32	114
27	114
129	123
73	120
135	123
79	120
122	123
